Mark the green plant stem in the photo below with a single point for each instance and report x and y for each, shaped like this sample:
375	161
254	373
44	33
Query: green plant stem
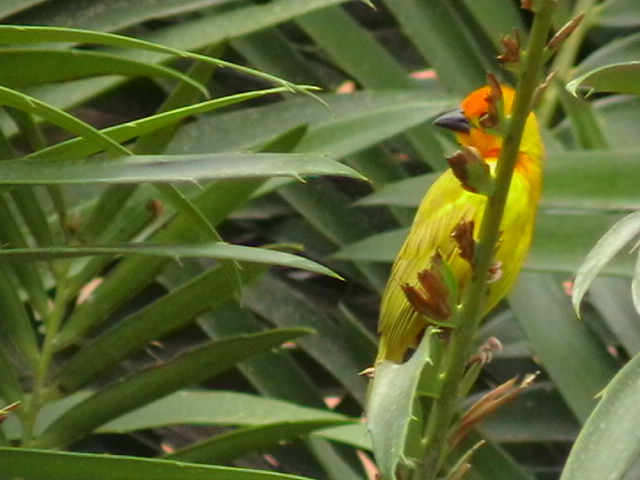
475	295
4	441
40	392
563	62
6	150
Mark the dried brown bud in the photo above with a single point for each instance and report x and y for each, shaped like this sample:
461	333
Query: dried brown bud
488	404
431	297
491	119
4	412
495	88
425	305
484	354
537	95
463	466
432	283
463	235
512	47
564	32
471	170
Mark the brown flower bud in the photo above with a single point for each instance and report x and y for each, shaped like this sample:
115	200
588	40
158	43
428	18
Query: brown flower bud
463	235
512	47
471	170
488	404
564	32
431	297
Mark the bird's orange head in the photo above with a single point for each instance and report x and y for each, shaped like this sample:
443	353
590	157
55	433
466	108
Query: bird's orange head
470	121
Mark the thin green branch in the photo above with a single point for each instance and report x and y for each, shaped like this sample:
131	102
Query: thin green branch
41	390
475	297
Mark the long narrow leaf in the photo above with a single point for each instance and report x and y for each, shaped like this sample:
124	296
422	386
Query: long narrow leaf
9	7
173	196
29	276
216	408
36	34
619	78
15	318
373	66
571	354
608	246
436	30
173	41
285	307
119	15
58	117
206	250
613	422
217	201
10	389
293	385
171	168
80	147
48	465
149	385
621	50
228	446
167	314
610	296
62	65
618	13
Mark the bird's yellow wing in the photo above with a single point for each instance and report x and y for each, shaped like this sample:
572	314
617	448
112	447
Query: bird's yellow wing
516	231
444	206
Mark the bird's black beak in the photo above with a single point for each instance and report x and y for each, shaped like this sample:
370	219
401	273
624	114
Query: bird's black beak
454	120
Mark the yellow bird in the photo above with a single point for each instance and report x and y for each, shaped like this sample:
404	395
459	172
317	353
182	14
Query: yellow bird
446	204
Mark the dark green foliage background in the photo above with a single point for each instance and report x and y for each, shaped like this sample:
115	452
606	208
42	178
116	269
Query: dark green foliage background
167	359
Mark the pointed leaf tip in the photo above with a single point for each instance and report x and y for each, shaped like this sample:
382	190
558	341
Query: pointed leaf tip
607	247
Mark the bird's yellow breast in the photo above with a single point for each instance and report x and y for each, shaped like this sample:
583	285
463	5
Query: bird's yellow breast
444	206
